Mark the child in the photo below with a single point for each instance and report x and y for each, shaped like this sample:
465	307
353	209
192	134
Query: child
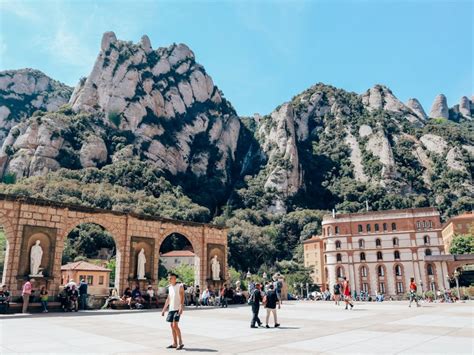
44	299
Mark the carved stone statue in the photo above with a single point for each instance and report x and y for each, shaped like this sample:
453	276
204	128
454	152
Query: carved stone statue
141	265
216	268
35	259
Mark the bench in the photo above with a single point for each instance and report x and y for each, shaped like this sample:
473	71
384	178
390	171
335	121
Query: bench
33	307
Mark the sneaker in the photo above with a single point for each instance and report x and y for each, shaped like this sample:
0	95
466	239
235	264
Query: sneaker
252	326
267	326
277	325
352	306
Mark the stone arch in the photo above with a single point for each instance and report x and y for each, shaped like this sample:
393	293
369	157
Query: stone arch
196	244
112	228
381	279
399	278
9	231
431	279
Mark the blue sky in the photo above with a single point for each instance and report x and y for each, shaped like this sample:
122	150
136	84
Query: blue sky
261	53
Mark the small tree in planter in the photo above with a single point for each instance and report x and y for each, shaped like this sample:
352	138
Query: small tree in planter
430	295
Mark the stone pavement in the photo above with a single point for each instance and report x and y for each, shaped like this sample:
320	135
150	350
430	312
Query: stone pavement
307	328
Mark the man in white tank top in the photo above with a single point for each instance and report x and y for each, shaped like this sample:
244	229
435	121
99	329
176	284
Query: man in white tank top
175	301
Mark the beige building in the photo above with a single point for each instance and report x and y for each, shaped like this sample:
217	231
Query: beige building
313	258
462	224
380	251
176	258
97	277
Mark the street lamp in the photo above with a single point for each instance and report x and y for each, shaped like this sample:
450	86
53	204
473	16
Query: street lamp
302	290
249	275
295	288
307	290
264	276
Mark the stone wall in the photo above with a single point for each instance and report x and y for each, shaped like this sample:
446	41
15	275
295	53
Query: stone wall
17	214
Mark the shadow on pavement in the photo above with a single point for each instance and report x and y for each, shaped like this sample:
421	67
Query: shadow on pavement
201	350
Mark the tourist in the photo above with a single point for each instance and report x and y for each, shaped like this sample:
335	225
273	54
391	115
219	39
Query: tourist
137	297
127	297
83	294
337	293
278	287
71	283
413	296
254	300
149	296
73	298
206	295
222	295
113	296
175	304
347	293
271	302
64	298
26	293
44	299
4	299
197	296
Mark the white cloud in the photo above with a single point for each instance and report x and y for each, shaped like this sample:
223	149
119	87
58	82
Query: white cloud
20	9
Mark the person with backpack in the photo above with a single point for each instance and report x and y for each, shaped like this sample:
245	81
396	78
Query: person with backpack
271	301
337	293
278	286
254	301
413	289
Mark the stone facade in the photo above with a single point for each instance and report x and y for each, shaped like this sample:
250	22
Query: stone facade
380	251
28	217
313	258
462	224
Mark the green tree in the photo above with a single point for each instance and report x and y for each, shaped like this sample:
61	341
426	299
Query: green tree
462	244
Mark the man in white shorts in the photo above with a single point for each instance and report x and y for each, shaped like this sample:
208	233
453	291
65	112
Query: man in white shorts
175	301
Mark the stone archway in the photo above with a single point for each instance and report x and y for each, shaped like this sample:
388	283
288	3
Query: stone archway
9	232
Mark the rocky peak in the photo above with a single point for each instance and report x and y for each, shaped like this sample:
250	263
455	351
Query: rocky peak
24	91
416	107
465	107
440	109
381	97
128	80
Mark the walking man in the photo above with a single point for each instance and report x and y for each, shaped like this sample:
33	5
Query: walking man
175	302
413	289
254	301
26	293
347	293
271	303
337	292
83	294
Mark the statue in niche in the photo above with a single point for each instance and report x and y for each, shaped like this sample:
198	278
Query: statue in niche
141	265
216	268
36	255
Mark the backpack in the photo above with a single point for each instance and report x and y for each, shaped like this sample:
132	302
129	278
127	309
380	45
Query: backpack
279	285
251	300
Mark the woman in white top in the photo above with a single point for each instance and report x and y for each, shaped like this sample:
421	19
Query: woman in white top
175	302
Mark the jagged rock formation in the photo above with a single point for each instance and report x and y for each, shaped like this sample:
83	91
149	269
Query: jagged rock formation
440	109
319	150
24	91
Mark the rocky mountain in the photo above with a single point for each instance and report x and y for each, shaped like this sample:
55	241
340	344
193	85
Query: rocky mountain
325	148
25	91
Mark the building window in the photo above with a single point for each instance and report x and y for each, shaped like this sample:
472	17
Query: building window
329	231
365	287
380	271
429	270
101	280
395	241
340	272
426	240
385	227
90	279
431	224
368	228
325	259
359	228
418	225
336	228
363	271
362	256
376	227
382	287
338	257
338	244
324	232
396	255
378	242
398	270
361	244
326	273
394	226
423	225
81	277
324	246
428	252
379	255
399	287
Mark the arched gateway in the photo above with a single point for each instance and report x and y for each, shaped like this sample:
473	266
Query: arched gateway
27	220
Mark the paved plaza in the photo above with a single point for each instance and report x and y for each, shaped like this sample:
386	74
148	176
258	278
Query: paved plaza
307	328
